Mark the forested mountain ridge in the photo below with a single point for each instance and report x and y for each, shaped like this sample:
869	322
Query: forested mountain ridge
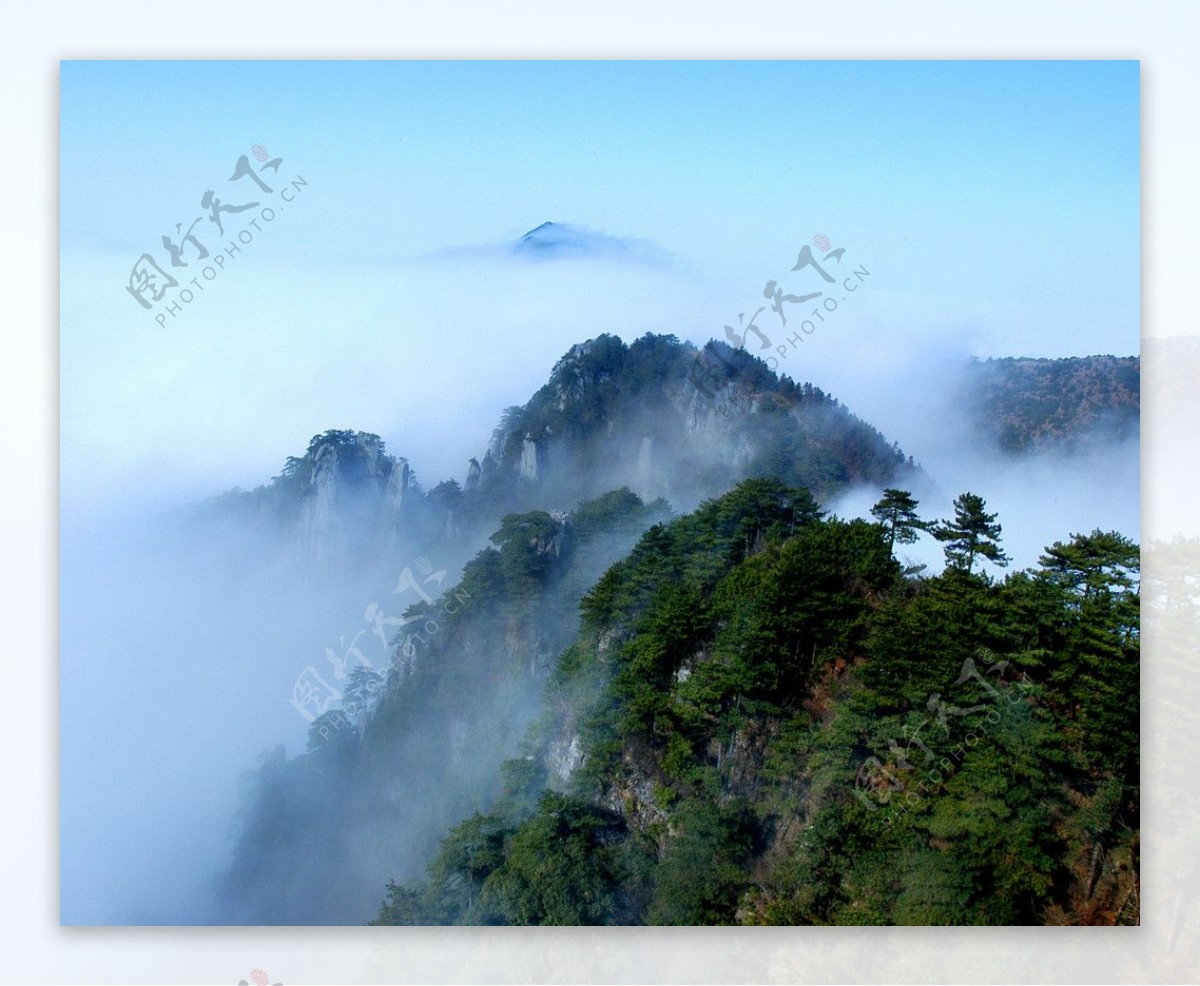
663	419
666	420
644	694
410	748
414	746
640	416
773	725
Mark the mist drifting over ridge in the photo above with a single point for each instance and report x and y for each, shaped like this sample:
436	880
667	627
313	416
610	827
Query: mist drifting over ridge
353	540
292	576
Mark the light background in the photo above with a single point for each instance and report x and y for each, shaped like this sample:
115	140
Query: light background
37	950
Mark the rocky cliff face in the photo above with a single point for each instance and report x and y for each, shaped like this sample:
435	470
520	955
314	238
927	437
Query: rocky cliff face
667	420
352	487
318	512
345	501
529	460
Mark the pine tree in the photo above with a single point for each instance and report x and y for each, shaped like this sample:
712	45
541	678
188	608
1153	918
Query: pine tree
1100	562
897	511
973	532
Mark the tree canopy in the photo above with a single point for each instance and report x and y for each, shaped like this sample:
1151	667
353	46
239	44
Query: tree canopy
972	533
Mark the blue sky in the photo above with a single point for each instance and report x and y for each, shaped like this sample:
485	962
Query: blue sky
996	204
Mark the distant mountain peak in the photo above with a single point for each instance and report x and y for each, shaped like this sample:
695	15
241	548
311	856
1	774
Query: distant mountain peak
560	241
545	229
556	239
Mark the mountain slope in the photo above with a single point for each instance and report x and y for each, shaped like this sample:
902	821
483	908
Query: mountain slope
639	416
610	415
718	673
772	725
416	746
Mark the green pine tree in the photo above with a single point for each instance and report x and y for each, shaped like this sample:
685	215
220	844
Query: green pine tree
972	533
897	511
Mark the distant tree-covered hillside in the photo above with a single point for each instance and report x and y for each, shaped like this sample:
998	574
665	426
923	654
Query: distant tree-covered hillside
1030	404
656	416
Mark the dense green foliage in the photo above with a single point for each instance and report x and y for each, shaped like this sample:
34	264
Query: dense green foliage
897	512
778	726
